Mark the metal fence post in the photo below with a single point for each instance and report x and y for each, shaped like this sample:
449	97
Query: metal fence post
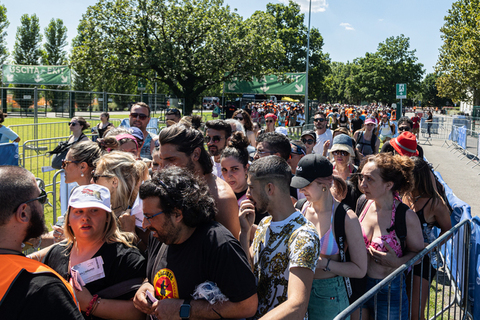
35	112
71	107
4	100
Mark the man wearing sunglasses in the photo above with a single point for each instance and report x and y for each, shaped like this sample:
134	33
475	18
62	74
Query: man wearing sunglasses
323	133
404	124
187	248
216	137
29	289
140	117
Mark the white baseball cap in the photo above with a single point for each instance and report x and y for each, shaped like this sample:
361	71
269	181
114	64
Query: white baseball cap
90	196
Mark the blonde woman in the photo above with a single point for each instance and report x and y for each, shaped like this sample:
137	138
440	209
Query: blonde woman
123	175
92	235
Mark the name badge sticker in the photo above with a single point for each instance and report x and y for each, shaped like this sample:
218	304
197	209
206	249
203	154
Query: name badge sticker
90	270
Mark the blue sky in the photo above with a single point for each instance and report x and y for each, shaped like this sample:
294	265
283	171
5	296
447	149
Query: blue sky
350	28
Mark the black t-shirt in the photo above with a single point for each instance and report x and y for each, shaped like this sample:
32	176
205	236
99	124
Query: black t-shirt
387	147
101	131
210	254
120	263
38	296
356	124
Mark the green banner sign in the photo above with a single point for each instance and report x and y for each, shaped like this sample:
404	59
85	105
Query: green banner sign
36	75
288	84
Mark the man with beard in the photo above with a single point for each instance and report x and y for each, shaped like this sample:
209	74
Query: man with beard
286	245
187	248
217	135
182	146
28	288
323	133
140	117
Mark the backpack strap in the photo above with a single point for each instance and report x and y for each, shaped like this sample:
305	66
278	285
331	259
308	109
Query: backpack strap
400	224
300	203
361	202
340	236
373	140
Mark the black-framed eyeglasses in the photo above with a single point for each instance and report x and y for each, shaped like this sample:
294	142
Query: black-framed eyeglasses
65	162
140	116
318	119
340	152
152	216
403	129
308	141
73	124
214	139
95	177
42	198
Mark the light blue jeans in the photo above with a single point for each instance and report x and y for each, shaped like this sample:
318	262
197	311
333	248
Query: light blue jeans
328	298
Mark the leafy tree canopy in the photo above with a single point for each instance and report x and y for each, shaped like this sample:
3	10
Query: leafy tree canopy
459	58
27	49
189	45
55	43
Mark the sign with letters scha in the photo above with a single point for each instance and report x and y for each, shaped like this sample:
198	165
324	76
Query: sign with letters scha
36	75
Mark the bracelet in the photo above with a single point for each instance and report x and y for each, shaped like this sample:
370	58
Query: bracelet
218	314
326	267
95	306
90	305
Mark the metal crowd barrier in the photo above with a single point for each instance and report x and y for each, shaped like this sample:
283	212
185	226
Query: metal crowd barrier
453	250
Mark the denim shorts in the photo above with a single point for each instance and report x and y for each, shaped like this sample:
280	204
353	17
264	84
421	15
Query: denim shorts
327	299
382	300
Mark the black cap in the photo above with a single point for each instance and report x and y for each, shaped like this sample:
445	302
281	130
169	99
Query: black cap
310	133
309	168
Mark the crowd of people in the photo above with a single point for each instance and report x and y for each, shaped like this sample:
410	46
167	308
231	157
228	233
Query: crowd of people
229	219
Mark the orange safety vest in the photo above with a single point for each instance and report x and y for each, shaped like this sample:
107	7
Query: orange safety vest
11	265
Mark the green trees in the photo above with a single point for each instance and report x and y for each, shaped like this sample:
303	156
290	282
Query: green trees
189	45
374	76
429	92
27	49
459	59
290	28
55	43
3	33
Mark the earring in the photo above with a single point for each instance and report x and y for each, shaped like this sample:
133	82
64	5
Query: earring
324	189
81	175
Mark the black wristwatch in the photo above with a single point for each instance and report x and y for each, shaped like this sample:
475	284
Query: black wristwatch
185	309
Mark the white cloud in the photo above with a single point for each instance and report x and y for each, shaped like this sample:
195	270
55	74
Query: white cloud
317	5
380	20
347	26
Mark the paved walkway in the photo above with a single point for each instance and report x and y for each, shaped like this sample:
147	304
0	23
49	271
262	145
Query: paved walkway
460	177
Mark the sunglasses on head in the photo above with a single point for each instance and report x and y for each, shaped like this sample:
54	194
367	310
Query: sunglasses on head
308	141
340	152
214	139
140	116
238	118
176	111
66	162
318	119
73	124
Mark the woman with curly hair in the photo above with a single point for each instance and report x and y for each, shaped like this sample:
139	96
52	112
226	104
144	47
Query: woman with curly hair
247	123
383	178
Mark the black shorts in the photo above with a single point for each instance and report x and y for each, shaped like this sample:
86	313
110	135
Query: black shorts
417	269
